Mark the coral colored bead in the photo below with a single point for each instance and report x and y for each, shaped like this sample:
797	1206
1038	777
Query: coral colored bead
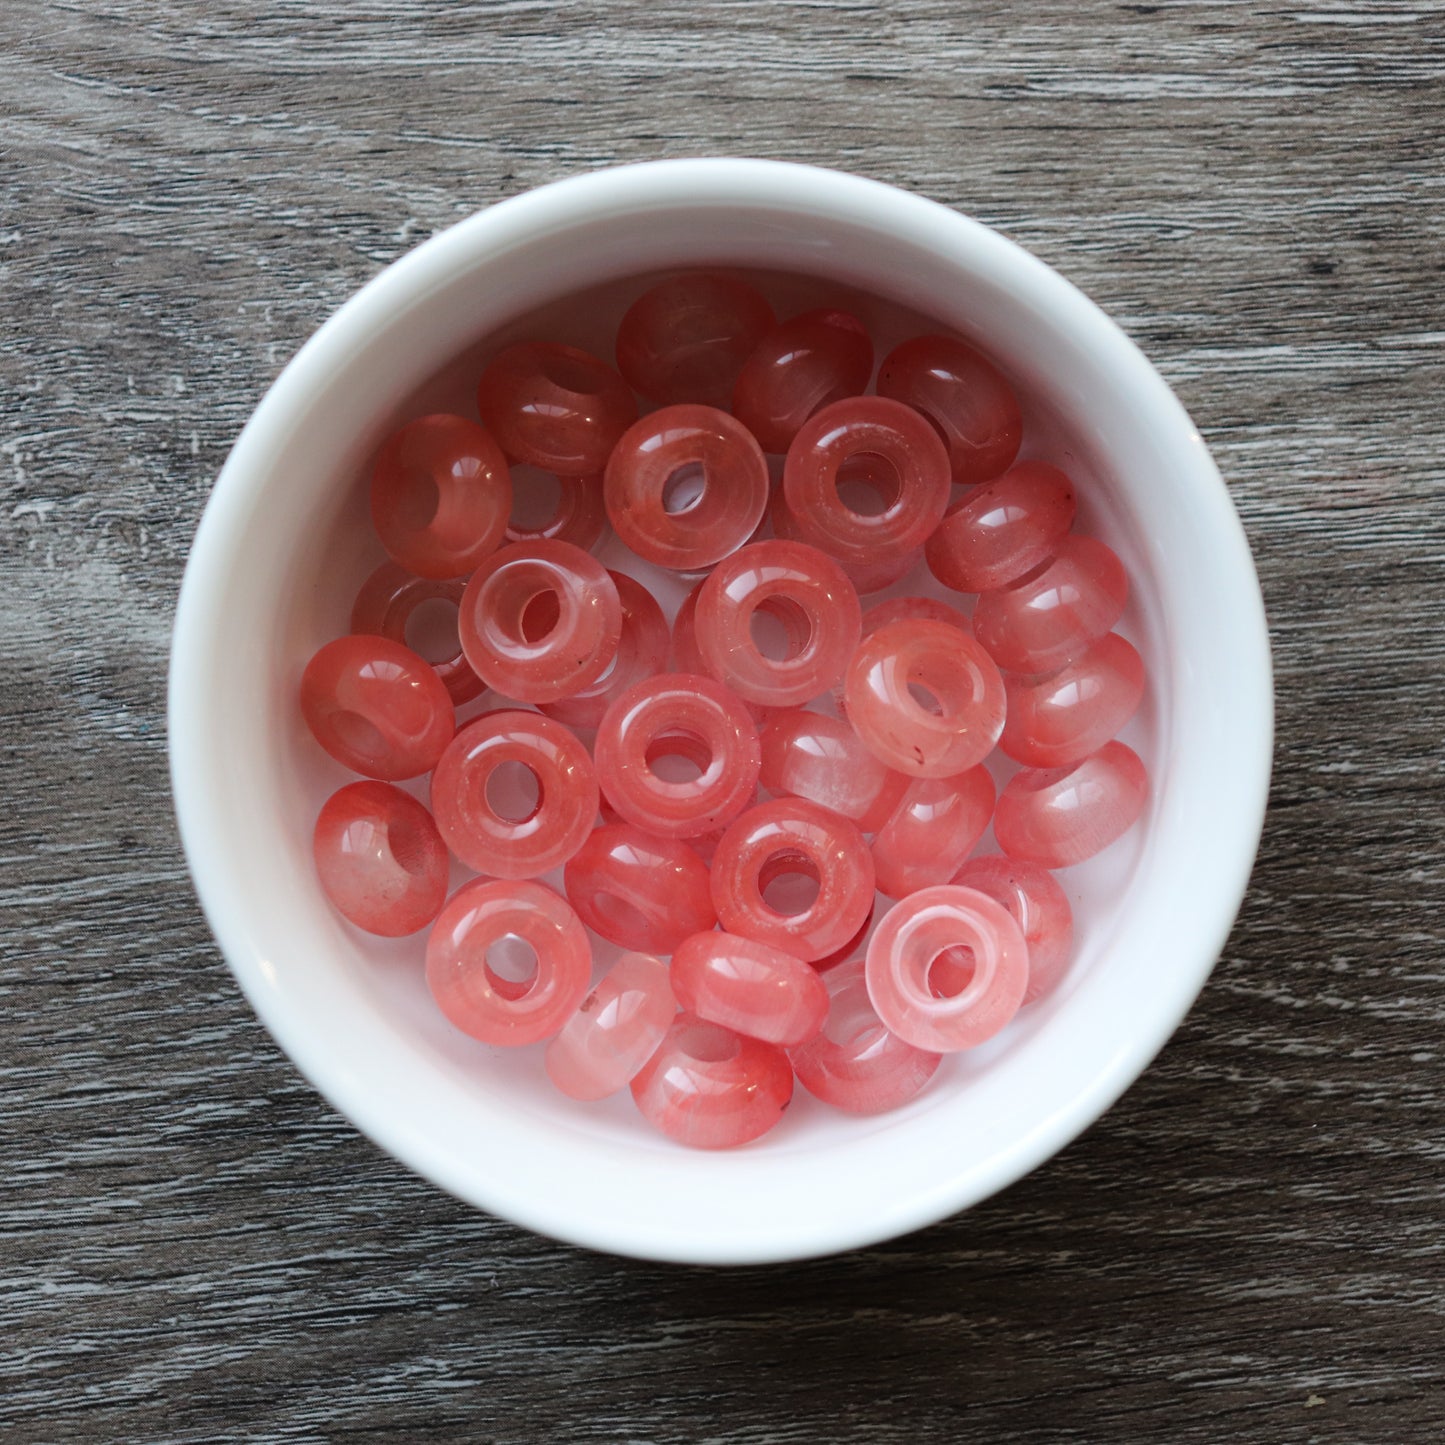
440	496
935	827
918	1002
810	755
554	406
1037	904
384	608
791	836
801	589
1057	817
678	715
615	1031
1003	529
686	656
377	707
870	576
639	891
580	516
903	730
721	481
749	987
962	394
540	622
711	1088
797	369
1050	615
687	338
904	609
1060	718
514	838
854	948
380	859
855	1064
480	1000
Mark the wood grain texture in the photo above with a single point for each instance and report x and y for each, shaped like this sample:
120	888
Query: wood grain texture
1248	1246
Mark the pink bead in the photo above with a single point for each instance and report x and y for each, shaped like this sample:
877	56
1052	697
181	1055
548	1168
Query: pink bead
934	828
925	698
711	1088
615	1031
797	369
962	394
805	594
386	605
639	891
440	496
904	609
1040	908
687	338
870	576
472	961
793	838
1060	718
810	755
686	655
541	622
1057	817
854	948
855	1064
678	716
749	987
947	968
554	407
377	707
380	859
686	486
1003	529
579	517
507	827
1051	614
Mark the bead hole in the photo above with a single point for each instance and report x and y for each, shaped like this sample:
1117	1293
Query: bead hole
536	500
707	1043
788	883
431	630
780	629
358	734
540	616
684	489
868	484
678	757
514	792
925	698
511	965
951	971
568	373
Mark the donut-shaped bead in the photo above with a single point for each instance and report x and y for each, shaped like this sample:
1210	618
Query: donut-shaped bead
814	756
903	609
1037	904
388	601
579	516
936	825
749	987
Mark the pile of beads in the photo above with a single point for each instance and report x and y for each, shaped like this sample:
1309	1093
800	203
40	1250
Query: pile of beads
792	824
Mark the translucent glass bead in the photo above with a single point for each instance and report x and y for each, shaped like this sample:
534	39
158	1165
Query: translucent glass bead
504	822
579	516
615	1031
638	890
947	968
925	698
711	1088
936	825
855	1064
686	486
687	338
854	948
810	755
1051	614
485	937
380	859
686	655
749	987
540	622
1003	529
377	707
386	605
1037	904
1057	817
440	496
973	407
793	839
554	406
904	609
1064	716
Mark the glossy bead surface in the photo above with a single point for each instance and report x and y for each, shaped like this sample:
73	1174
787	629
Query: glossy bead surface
380	859
749	987
958	1007
870	576
511	835
579	516
935	826
904	609
441	494
1037	904
480	919
388	601
810	755
1057	817
889	683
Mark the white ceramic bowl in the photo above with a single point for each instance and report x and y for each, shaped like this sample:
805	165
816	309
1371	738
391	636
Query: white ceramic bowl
261	592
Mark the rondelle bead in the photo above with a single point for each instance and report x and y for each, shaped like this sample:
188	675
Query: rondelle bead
810	755
554	406
540	622
377	707
925	698
1057	817
935	826
615	1030
870	576
579	515
514	827
440	496
959	1004
686	655
904	609
854	948
477	956
749	987
380	859
390	604
1037	904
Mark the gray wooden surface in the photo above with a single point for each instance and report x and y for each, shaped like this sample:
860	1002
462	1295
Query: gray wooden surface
1249	1246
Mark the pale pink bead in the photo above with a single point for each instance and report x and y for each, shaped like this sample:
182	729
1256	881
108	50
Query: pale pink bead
872	575
904	609
579	517
1057	817
614	1032
1037	904
749	987
935	826
810	755
389	604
